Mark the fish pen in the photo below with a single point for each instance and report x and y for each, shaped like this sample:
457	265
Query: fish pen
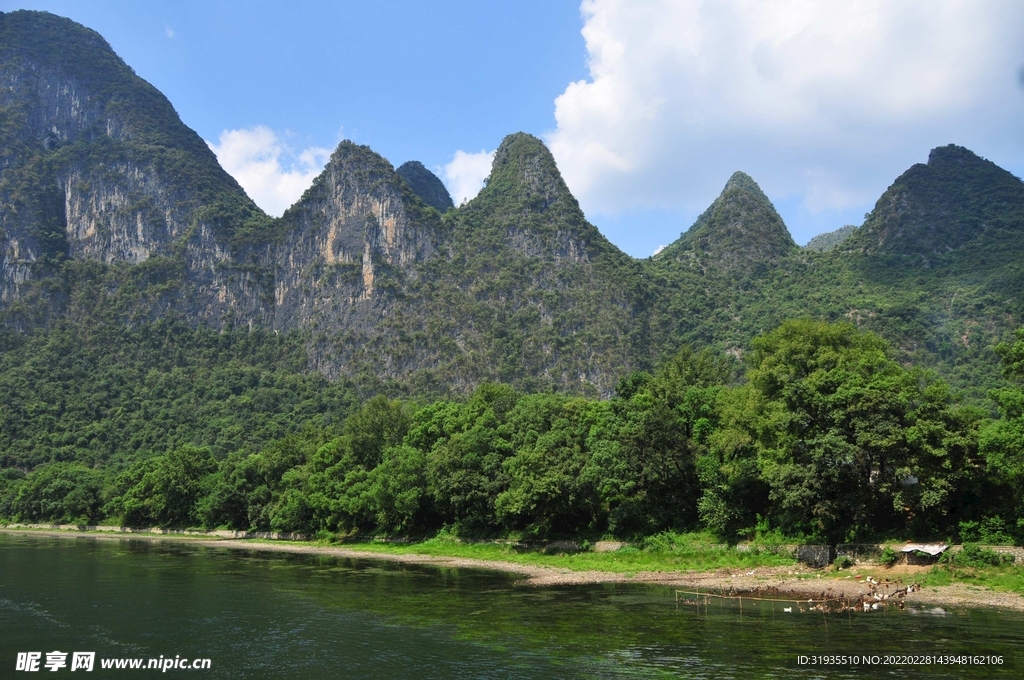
876	599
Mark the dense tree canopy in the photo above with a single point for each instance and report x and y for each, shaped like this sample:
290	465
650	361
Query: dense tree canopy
844	440
819	433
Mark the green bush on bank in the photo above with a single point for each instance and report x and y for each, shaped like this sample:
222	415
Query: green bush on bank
973	555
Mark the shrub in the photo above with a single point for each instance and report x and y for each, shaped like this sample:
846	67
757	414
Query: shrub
973	555
889	556
990	531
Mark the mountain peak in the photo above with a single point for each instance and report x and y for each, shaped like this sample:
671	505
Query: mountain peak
951	154
741	181
935	208
524	170
741	230
426	185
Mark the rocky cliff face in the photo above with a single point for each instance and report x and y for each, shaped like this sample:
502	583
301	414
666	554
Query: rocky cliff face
97	166
110	205
349	248
516	286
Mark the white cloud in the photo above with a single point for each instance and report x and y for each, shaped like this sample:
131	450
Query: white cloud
168	31
465	174
658	250
824	101
253	156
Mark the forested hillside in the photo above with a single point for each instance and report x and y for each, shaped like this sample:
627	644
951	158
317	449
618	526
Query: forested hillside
827	439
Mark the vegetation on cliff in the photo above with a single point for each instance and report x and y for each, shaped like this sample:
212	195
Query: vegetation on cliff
426	185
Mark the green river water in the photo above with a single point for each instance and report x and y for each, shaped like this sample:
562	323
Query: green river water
272	615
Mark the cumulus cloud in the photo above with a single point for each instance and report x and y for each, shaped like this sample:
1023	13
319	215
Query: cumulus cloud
465	174
823	101
268	169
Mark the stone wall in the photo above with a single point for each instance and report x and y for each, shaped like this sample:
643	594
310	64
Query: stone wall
274	535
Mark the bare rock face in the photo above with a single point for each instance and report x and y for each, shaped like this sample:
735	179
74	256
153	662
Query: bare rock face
349	244
95	165
122	221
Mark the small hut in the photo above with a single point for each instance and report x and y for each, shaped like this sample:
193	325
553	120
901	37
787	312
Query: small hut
923	553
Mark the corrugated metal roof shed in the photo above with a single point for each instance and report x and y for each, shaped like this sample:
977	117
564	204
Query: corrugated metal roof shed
932	549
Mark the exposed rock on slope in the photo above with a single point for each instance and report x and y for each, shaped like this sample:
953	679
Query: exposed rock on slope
97	166
822	243
520	289
112	210
348	249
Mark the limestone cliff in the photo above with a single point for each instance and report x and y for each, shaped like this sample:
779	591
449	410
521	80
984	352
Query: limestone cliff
349	248
113	212
95	165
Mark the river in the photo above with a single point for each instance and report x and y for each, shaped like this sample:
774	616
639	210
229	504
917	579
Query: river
272	615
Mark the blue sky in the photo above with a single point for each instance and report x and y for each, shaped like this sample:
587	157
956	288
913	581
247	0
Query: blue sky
648	105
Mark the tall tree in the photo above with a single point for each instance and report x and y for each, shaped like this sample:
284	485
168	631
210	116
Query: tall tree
846	440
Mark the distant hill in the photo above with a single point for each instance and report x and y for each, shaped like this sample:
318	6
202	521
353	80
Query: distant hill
741	230
822	243
935	209
426	185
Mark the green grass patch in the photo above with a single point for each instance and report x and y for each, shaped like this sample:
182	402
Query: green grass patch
655	555
1007	578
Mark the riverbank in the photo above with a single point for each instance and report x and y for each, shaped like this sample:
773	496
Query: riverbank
592	568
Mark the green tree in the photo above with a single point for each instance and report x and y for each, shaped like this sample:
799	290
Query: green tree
59	492
847	441
398	490
645	452
332	491
165	490
550	492
1001	441
243	491
466	446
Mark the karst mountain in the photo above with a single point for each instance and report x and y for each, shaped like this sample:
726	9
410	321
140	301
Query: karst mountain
113	212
